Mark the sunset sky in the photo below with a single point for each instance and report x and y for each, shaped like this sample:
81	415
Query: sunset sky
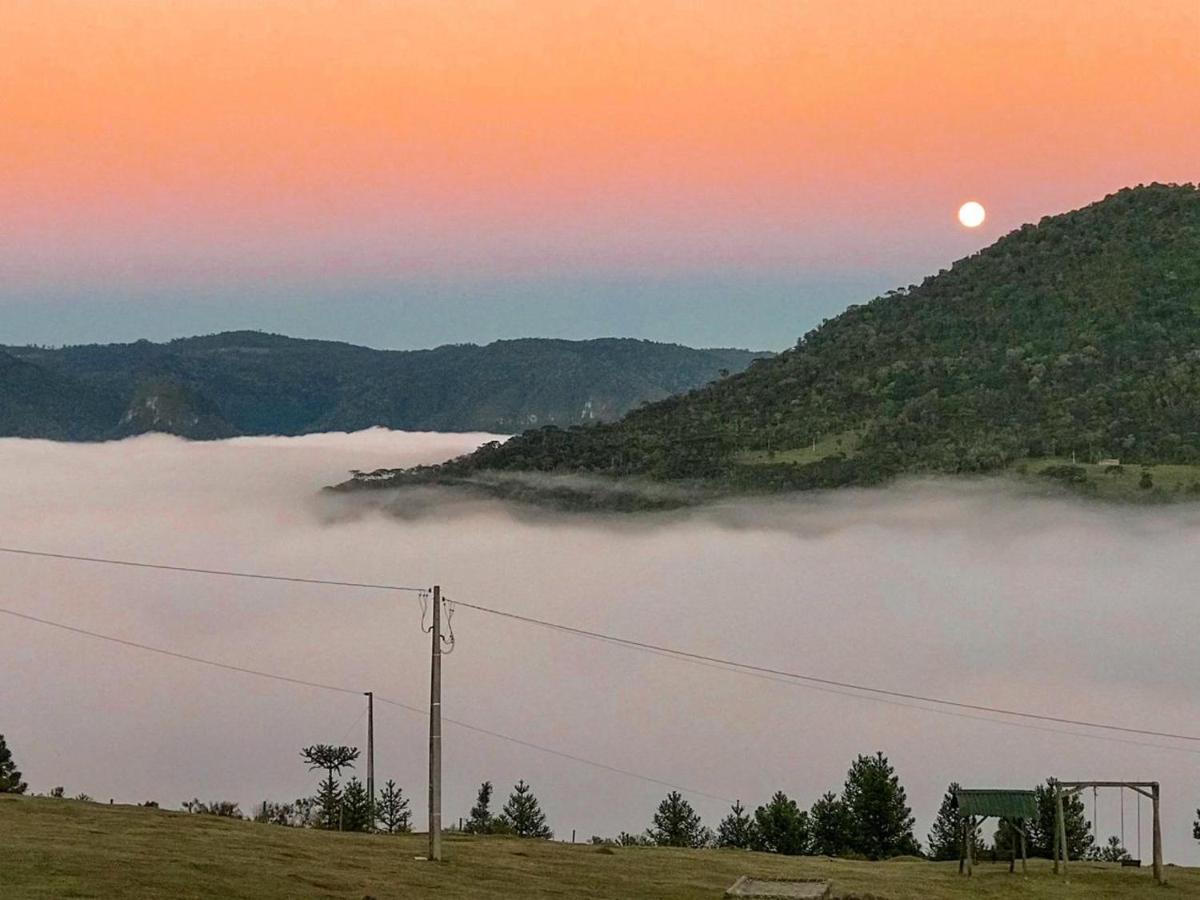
409	173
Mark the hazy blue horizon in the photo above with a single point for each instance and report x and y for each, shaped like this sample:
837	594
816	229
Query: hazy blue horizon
752	311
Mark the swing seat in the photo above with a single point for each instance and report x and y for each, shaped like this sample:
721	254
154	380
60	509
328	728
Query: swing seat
1131	864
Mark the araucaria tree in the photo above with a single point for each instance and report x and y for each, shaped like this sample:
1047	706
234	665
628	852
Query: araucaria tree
736	829
781	826
329	795
881	821
480	821
676	824
391	810
10	776
946	835
828	827
523	816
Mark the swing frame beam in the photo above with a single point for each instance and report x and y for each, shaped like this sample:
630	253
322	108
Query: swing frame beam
1063	789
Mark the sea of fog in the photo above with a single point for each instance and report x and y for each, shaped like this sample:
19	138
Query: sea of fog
962	591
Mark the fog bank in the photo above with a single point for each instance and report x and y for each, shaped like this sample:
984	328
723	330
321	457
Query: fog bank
963	590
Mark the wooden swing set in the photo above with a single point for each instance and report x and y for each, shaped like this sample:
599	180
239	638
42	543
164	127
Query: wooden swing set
1148	789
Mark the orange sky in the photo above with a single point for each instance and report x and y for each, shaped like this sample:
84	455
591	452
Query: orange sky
155	136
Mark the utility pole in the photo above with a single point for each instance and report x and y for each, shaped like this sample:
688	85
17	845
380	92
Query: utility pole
435	732
371	758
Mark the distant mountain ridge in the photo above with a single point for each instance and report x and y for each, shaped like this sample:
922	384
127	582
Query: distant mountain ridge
248	382
1074	339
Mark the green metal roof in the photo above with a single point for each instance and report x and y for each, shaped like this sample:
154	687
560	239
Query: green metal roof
992	802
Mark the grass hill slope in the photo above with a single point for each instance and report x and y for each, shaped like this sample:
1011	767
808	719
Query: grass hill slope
62	848
253	383
1076	337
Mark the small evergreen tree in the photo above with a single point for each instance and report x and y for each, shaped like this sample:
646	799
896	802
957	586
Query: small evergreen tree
676	824
480	820
523	815
1196	826
880	819
10	776
356	807
946	835
829	826
1005	840
329	804
392	811
781	826
736	829
1113	851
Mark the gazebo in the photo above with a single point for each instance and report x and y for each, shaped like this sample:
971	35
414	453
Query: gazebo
1014	808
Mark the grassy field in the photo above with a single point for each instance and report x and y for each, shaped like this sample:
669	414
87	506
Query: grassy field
1168	482
66	849
846	442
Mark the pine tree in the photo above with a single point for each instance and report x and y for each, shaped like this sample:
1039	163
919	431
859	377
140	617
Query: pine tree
392	809
1196	826
676	824
480	821
829	826
880	818
1041	829
10	776
1004	840
329	804
946	835
736	829
356	807
523	816
1113	851
781	826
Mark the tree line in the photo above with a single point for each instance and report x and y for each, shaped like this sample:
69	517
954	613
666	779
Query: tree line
869	819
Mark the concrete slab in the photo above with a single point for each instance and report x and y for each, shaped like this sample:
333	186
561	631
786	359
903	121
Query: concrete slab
746	886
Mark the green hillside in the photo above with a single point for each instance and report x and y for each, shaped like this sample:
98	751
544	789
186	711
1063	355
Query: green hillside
62	848
253	383
1078	337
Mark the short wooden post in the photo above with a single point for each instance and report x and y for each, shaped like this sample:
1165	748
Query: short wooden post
1158	858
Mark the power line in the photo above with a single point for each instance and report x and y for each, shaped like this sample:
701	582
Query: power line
225	573
734	665
731	665
344	690
184	656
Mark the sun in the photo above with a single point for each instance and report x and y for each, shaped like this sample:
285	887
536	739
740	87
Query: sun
972	214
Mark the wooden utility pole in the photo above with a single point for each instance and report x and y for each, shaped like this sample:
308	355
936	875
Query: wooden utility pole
435	732
371	758
1158	859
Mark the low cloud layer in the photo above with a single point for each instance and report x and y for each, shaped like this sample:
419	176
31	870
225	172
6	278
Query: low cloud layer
963	590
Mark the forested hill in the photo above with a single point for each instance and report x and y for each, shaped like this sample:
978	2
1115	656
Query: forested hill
255	383
1077	336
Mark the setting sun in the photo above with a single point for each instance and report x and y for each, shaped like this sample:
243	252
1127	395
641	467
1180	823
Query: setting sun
971	214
